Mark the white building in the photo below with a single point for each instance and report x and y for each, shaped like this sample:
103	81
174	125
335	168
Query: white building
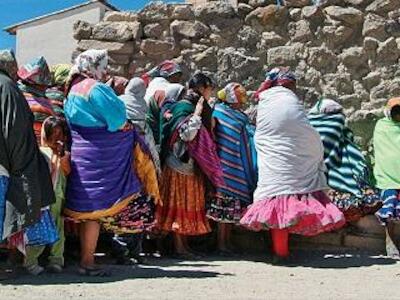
51	35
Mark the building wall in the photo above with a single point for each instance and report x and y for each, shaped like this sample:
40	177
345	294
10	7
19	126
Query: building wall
52	37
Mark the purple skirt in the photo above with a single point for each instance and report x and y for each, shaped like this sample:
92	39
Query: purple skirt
102	171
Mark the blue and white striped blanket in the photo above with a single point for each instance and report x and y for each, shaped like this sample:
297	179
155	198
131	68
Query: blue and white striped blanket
347	168
235	146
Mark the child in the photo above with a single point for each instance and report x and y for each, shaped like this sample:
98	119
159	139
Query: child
387	165
54	138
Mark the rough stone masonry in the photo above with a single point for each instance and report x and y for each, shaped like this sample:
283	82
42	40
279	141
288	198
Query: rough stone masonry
348	50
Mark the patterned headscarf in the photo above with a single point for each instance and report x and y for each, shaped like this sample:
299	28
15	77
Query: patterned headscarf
60	74
165	69
277	77
92	63
233	93
36	72
389	106
8	63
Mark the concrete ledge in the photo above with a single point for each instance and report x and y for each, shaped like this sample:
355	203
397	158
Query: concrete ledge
366	234
366	242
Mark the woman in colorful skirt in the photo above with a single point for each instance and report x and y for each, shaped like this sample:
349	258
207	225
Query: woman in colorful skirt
290	197
34	80
236	150
348	173
25	183
103	187
387	171
128	248
183	184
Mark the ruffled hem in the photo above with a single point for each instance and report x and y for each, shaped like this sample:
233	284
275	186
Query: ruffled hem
226	209
305	214
353	207
137	217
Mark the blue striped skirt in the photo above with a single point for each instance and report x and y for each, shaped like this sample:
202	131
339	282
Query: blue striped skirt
390	210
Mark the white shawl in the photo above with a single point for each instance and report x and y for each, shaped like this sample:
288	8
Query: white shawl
290	153
157	84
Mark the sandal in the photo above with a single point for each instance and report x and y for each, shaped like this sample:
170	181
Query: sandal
55	268
93	272
35	270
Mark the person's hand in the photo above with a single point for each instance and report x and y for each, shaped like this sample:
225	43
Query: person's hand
60	148
199	107
65	163
168	115
128	126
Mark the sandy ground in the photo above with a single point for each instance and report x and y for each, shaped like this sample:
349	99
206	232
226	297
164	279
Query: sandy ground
311	275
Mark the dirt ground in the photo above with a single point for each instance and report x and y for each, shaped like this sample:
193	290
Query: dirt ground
311	275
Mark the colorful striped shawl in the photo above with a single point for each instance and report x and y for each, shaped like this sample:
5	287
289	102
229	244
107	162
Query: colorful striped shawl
236	150
202	149
347	167
39	104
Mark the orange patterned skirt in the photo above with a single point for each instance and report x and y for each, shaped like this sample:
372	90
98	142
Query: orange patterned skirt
183	210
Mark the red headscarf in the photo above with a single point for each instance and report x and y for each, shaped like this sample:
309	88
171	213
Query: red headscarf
277	77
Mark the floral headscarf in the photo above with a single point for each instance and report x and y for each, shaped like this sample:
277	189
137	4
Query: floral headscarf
35	72
233	93
8	63
92	63
277	77
60	74
165	69
389	106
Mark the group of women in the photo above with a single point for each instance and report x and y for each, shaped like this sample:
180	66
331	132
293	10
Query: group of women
150	155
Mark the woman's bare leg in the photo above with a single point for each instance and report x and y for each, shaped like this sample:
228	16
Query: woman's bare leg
89	234
222	237
180	243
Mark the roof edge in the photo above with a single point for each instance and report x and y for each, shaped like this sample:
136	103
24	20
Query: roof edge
12	29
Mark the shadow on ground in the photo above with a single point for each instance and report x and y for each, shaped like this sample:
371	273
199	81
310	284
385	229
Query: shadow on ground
330	260
183	269
119	273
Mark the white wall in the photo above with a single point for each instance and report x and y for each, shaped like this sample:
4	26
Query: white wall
52	37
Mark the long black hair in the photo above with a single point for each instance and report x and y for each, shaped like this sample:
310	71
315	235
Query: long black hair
53	122
198	81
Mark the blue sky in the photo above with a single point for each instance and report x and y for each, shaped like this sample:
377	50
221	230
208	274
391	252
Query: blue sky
14	11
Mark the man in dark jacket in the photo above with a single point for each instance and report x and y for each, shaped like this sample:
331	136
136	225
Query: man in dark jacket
29	182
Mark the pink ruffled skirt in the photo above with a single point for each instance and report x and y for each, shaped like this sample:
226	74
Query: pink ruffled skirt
305	214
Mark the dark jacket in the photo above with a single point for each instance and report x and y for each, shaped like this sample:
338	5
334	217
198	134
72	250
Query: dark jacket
30	187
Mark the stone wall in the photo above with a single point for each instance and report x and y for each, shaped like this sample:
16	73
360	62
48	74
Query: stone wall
345	49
